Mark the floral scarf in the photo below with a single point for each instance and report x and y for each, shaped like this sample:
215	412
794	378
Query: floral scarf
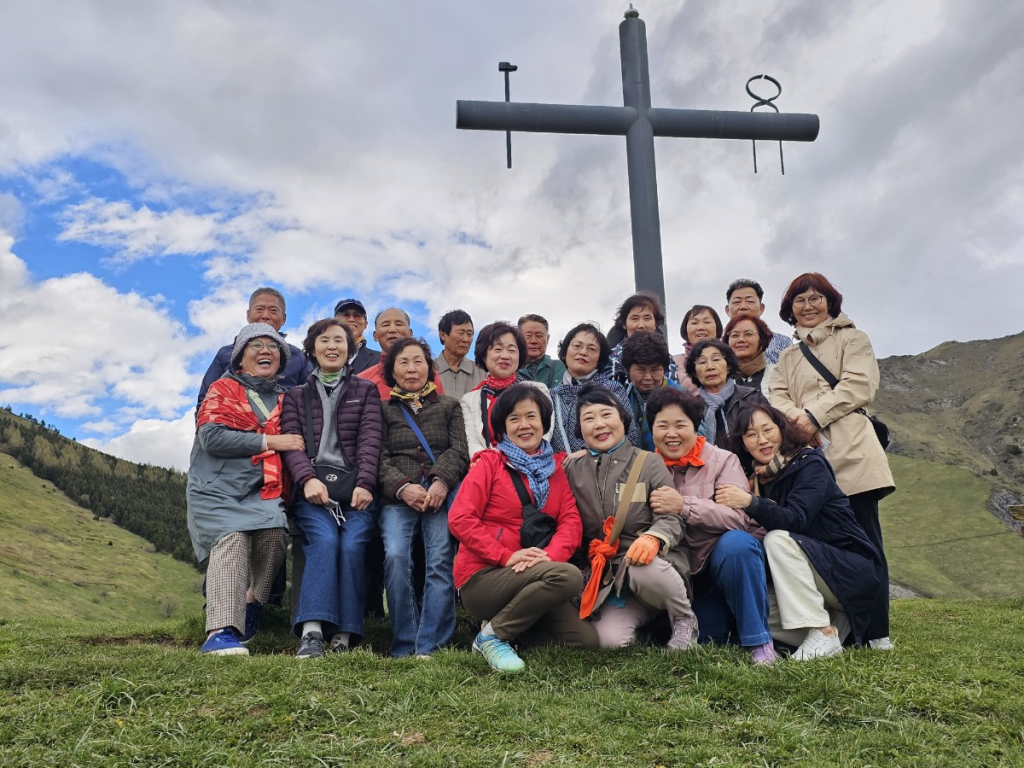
413	399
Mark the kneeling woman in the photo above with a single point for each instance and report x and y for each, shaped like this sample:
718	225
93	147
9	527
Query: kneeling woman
819	555
638	560
516	520
339	415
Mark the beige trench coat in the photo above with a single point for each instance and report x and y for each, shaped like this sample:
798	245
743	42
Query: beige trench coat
854	451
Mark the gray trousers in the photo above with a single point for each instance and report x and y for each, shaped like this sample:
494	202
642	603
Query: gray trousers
654	588
532	606
227	575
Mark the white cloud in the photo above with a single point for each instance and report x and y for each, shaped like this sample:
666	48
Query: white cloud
165	443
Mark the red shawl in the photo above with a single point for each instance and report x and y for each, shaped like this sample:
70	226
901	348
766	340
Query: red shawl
227	403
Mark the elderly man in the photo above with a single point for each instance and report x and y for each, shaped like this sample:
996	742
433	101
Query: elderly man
744	297
389	326
353	314
266	305
539	365
458	373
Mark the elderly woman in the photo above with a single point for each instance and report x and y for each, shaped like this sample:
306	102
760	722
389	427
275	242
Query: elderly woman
727	559
584	351
235	489
640	312
499	349
423	460
638	561
700	323
749	337
338	415
712	365
819	555
516	520
645	359
836	408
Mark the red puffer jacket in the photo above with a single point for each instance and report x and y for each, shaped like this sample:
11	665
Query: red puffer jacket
487	514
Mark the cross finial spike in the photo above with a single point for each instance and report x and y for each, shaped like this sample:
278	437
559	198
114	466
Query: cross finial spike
632	13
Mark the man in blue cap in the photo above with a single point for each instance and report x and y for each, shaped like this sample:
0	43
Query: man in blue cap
353	314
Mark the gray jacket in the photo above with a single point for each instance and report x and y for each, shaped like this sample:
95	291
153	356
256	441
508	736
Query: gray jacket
223	490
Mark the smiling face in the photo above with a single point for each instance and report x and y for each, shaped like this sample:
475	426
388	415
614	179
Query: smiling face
673	433
266	308
744	340
411	368
458	341
524	426
355	320
744	301
712	369
601	426
700	326
502	359
392	325
331	349
536	336
583	354
262	358
762	438
810	309
640	318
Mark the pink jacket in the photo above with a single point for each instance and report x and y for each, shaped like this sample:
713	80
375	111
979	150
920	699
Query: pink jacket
706	521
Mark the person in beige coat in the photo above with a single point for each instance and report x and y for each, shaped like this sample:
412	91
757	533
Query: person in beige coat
814	306
648	572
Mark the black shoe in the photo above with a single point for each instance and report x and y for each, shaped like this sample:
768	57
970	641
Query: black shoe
311	646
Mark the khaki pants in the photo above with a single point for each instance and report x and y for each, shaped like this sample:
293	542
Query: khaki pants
802	598
654	588
227	576
532	606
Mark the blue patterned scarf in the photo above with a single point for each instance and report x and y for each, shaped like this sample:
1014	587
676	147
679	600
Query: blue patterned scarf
537	467
716	404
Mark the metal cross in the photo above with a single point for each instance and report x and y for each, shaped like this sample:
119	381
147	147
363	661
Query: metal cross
639	122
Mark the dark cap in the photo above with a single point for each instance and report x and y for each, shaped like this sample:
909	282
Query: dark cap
349	303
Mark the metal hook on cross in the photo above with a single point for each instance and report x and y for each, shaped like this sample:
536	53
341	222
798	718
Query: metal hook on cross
504	66
763	102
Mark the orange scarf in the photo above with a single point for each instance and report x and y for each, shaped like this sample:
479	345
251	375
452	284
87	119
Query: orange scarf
600	552
692	459
227	403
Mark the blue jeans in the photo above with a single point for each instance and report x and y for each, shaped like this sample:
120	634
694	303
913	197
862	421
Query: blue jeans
333	589
738	594
418	629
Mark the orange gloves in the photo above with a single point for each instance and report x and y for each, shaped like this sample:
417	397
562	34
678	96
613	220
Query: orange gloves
643	550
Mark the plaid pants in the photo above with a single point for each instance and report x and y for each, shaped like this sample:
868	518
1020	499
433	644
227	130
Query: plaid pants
227	576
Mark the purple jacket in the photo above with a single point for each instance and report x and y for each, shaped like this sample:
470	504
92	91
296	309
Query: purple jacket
359	429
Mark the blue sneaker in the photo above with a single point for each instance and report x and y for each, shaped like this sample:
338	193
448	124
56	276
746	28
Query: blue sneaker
224	643
498	653
252	621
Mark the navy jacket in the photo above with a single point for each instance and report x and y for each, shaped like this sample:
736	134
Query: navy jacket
295	373
806	501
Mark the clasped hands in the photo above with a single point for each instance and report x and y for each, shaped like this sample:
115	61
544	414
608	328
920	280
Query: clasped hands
423	499
316	493
522	559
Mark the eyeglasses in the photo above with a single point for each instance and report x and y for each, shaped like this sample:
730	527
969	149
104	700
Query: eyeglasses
258	345
579	346
809	301
743	335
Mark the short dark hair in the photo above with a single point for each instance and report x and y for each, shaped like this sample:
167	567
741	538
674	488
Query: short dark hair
698	349
793	438
510	398
487	337
453	317
806	282
641	299
764	334
696	309
602	342
396	350
645	348
661	398
318	328
744	282
533	319
595	393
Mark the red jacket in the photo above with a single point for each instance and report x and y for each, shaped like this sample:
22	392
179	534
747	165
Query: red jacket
487	514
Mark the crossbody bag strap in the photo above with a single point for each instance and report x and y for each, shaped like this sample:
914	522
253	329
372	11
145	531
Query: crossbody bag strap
255	399
819	366
626	497
419	435
307	398
485	417
521	491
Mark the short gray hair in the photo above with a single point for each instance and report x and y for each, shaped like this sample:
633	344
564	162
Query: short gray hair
272	291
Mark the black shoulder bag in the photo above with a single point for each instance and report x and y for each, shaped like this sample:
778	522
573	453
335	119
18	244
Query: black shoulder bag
340	481
538	528
881	430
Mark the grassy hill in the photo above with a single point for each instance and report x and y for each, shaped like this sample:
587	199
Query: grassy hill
57	560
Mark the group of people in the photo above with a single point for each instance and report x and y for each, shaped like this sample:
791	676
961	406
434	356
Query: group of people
615	493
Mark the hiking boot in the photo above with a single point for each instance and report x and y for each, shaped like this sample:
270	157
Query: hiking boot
818	645
311	646
224	643
880	644
498	653
764	655
684	634
252	621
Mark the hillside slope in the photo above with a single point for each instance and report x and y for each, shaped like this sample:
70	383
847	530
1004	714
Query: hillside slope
57	560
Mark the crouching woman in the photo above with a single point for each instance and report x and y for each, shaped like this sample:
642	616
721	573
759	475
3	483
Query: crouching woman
517	523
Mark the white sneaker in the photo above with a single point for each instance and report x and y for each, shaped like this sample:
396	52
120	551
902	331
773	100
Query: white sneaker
880	644
818	645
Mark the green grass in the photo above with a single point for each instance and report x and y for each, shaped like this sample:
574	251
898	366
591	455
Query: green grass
940	538
949	694
55	560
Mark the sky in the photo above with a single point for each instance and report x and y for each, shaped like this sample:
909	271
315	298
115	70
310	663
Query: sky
158	161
